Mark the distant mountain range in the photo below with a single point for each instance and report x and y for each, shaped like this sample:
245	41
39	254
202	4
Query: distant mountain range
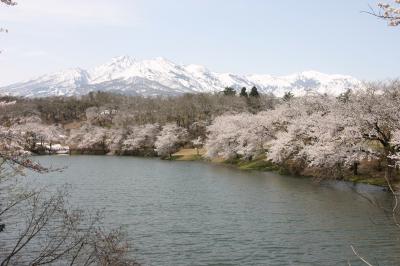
162	77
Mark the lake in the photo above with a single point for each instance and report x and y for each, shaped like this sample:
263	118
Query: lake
195	213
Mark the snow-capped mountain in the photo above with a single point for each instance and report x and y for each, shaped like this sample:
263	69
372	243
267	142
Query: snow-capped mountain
162	77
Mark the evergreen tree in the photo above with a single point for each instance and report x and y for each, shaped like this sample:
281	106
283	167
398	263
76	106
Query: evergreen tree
229	91
254	92
243	92
287	96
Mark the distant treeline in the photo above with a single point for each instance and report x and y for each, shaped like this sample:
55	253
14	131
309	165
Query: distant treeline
183	110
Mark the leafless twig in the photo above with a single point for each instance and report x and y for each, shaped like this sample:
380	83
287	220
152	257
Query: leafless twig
361	258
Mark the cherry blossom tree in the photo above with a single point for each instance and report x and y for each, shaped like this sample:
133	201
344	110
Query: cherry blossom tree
395	142
246	135
325	134
113	140
231	136
243	135
388	12
222	136
325	141
170	139
88	138
296	130
38	136
375	113
102	116
140	140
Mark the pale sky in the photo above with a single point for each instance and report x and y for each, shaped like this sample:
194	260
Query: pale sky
239	36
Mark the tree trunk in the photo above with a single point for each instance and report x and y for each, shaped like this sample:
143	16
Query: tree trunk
339	171
355	168
379	166
389	169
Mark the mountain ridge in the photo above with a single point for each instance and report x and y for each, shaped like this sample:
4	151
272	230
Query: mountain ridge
161	77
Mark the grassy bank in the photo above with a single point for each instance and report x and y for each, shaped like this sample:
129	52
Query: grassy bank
375	181
188	155
258	164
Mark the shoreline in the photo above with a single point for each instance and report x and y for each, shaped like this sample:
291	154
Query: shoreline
259	164
262	165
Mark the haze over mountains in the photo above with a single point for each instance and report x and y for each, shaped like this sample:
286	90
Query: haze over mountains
162	77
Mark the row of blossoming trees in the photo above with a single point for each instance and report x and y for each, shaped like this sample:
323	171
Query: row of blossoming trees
106	123
321	133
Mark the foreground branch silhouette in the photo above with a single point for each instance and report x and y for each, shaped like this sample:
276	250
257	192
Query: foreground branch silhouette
39	227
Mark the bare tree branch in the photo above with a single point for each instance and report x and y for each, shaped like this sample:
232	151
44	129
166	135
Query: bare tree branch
361	258
8	2
386	12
